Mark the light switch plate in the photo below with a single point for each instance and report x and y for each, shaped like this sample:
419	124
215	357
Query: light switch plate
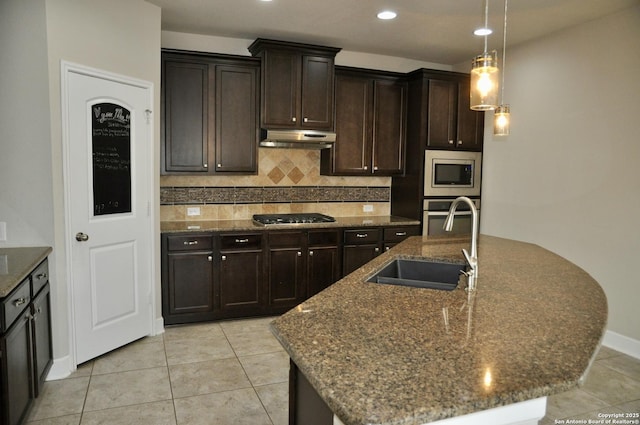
3	231
191	211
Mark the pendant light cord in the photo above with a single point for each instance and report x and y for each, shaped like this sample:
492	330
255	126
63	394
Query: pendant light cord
486	22
504	50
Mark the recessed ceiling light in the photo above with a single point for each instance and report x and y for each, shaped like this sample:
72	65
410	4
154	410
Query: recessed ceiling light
483	31
387	14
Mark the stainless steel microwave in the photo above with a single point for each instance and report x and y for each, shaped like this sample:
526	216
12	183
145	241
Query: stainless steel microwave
452	173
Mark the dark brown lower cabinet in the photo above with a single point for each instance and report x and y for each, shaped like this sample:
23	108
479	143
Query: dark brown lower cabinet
221	275
25	345
286	270
240	275
360	247
16	371
306	407
187	269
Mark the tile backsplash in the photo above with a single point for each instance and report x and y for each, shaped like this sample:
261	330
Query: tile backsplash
288	180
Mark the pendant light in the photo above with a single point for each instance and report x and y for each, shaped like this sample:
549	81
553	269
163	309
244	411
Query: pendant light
484	75
502	116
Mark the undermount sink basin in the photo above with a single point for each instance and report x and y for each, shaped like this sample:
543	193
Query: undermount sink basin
419	274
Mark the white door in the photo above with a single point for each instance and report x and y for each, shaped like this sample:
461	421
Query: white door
107	131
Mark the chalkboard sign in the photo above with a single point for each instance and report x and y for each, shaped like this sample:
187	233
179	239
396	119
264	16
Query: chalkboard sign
111	148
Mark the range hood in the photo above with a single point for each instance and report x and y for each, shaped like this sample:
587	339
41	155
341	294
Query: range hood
299	139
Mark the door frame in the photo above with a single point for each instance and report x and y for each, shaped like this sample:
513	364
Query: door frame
66	68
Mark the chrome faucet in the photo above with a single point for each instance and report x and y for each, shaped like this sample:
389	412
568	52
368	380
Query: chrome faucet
472	258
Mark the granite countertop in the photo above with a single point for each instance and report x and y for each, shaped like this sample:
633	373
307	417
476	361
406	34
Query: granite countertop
383	354
17	263
249	225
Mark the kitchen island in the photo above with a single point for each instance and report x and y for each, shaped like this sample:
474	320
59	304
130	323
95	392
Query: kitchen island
383	354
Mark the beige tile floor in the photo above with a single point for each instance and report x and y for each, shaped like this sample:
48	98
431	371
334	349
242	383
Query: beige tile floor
235	373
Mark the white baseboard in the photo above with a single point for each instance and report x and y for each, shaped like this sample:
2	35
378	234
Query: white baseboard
60	369
624	344
158	326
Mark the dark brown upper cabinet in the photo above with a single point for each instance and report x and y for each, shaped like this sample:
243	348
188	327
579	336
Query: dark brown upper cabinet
209	114
371	112
451	124
297	85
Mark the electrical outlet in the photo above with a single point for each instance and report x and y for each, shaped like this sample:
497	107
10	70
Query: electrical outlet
191	211
367	208
3	231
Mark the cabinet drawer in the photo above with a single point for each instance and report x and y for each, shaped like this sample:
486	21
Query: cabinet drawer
189	243
241	241
361	236
323	238
39	277
14	304
286	239
397	234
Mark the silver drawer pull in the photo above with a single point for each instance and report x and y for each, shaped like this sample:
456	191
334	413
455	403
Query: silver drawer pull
20	301
41	276
245	240
223	258
191	242
401	233
210	258
361	235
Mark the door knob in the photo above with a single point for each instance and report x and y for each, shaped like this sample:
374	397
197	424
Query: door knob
82	237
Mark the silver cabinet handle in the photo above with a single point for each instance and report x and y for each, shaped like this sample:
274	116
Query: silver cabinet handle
310	253
451	142
375	168
401	233
387	248
459	142
361	235
41	276
82	237
245	240
205	165
366	167
219	165
299	254
377	249
293	119
190	242
224	258
20	301
305	119
210	258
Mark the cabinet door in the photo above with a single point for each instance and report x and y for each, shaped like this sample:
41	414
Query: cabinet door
236	119
189	285
281	91
185	132
286	278
240	281
351	154
389	127
16	371
470	123
42	343
355	256
317	93
441	123
322	268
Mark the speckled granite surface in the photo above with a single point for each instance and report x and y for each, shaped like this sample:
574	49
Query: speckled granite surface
382	354
17	263
249	225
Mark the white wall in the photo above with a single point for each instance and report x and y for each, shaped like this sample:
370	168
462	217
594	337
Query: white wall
25	150
568	176
236	46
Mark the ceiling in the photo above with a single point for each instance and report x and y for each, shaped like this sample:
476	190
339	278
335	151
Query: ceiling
438	31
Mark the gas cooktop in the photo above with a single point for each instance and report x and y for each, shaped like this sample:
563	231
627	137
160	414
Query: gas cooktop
300	218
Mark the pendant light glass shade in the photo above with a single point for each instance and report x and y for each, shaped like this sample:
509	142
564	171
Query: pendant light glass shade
501	121
485	82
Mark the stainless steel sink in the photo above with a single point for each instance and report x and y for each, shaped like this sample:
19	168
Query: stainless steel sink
419	274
